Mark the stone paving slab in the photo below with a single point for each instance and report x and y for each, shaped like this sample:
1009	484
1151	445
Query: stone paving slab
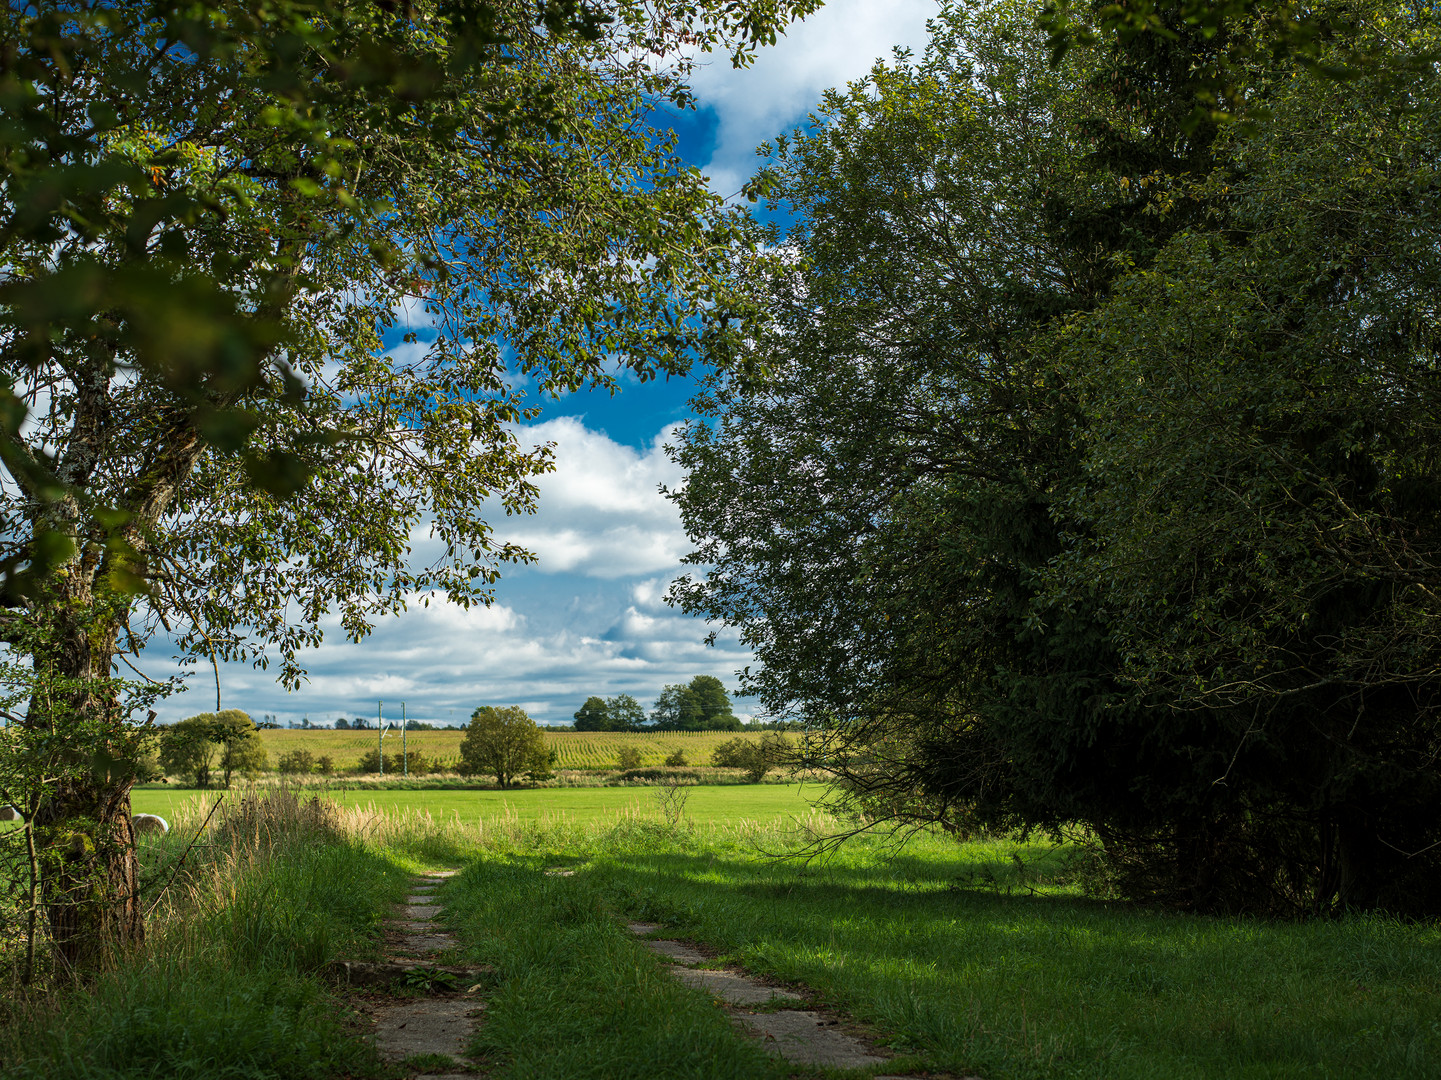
427	943
420	898
731	987
641	929
678	951
421	912
427	1026
807	1037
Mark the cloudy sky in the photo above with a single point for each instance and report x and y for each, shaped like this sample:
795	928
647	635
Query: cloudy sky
590	617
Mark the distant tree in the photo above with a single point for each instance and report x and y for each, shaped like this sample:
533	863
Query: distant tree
676	759
325	765
342	724
504	742
714	704
592	716
360	723
188	750
624	713
676	709
242	750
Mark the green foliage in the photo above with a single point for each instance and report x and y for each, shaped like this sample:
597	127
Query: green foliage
701	705
504	742
592	716
619	713
1090	480
676	759
188	749
296	762
756	756
413	761
627	757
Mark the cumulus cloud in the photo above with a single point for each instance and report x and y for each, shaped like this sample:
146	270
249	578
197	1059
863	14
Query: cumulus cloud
601	512
830	48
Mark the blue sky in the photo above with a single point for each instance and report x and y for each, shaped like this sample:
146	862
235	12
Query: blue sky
590	617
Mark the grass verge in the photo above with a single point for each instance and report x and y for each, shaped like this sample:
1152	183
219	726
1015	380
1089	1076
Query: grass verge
226	985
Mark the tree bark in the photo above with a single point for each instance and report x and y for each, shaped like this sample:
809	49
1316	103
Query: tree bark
90	884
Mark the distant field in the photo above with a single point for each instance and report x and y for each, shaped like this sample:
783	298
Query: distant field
741	802
576	749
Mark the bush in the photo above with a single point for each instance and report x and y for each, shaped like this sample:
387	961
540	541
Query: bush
296	762
656	775
414	763
677	759
325	765
628	757
756	757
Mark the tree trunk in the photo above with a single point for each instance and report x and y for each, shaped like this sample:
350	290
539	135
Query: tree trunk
91	874
91	891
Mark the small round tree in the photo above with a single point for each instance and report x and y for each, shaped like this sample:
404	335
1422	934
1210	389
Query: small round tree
503	742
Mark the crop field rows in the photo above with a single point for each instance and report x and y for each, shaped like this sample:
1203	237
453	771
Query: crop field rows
574	749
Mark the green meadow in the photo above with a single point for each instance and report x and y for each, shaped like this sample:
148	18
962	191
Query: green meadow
978	959
731	804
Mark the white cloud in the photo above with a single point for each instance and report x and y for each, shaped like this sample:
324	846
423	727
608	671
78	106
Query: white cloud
601	512
836	45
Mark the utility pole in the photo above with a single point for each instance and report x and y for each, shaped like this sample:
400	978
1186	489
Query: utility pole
380	738
404	760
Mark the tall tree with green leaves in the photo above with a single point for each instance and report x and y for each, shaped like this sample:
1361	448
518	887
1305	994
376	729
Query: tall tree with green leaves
1089	481
213	215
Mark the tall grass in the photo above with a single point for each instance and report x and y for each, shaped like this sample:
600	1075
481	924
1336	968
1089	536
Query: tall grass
226	983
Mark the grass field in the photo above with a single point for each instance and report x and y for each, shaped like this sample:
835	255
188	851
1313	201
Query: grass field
748	802
958	957
972	959
574	749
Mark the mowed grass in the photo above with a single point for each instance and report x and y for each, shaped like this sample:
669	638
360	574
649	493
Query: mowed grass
574	749
760	803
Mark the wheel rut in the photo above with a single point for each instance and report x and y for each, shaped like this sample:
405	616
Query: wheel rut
424	1011
777	1017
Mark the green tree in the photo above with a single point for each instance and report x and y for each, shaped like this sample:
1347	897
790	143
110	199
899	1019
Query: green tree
503	742
676	709
713	703
592	716
242	750
188	749
213	214
625	713
1078	488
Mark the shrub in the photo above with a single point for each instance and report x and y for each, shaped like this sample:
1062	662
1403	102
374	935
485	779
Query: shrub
656	775
414	763
677	760
755	757
296	761
628	757
325	765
